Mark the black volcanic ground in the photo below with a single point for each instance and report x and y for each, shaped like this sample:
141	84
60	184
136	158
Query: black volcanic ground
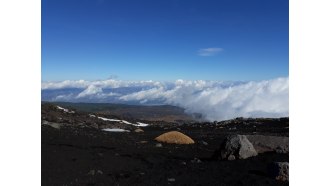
75	151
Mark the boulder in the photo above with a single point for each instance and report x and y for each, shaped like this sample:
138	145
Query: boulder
237	147
174	137
279	171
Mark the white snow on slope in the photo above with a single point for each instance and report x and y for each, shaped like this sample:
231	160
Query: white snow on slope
115	130
65	110
126	122
139	124
106	119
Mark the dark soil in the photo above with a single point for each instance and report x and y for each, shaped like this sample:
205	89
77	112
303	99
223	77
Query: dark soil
86	155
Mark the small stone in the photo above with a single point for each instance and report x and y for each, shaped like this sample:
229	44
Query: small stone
159	145
171	179
99	172
196	160
231	157
138	130
233	128
204	143
91	172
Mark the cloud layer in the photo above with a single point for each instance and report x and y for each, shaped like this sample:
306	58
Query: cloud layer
215	100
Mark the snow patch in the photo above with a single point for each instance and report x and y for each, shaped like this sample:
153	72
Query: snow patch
65	110
126	122
115	130
139	124
106	119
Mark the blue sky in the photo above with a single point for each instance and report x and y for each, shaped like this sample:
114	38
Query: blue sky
164	40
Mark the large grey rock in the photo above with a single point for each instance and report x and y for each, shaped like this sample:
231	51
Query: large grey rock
263	143
279	171
238	146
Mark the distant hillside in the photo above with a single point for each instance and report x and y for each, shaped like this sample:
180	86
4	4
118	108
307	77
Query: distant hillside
166	113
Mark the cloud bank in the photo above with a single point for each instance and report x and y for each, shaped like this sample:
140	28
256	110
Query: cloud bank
215	100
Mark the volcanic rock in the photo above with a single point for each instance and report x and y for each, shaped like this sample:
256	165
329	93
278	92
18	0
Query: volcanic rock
174	137
231	157
159	145
196	160
279	171
204	142
91	172
238	146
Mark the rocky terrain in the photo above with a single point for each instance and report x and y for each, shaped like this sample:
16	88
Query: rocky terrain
95	148
153	113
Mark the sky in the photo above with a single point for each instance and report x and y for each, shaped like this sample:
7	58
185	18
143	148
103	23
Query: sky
164	40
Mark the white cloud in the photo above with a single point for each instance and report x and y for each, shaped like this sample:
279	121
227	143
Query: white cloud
209	51
216	100
67	97
91	90
252	99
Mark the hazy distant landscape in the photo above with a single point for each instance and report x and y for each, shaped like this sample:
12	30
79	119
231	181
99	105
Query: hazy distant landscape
165	113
